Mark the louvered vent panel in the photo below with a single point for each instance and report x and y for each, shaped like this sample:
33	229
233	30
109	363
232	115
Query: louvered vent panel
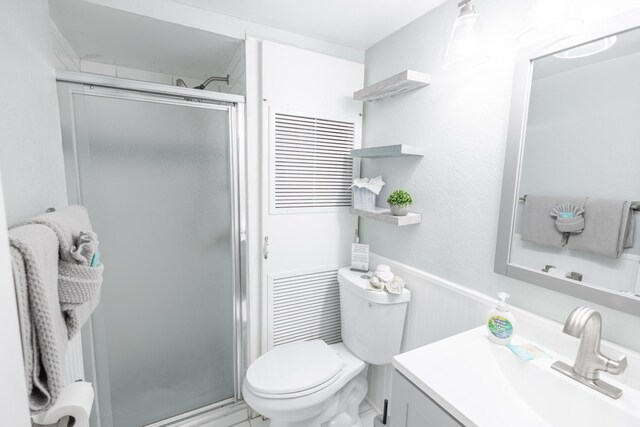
305	307
311	162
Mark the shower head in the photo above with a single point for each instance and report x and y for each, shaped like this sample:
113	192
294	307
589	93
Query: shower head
181	83
213	79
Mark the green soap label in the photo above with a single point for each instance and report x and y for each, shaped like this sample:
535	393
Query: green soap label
500	327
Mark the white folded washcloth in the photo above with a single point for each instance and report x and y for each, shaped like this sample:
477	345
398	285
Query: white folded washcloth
395	286
373	184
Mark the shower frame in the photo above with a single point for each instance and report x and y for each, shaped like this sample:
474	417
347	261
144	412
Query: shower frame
114	87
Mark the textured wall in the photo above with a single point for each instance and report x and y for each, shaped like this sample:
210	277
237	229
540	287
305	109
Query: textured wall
31	167
30	149
461	123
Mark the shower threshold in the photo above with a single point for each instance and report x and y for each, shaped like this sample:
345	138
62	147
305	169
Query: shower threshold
221	414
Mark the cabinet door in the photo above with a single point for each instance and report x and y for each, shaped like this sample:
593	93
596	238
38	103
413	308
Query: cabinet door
410	407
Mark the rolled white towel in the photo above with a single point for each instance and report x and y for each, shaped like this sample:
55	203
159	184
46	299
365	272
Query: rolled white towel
384	280
383	272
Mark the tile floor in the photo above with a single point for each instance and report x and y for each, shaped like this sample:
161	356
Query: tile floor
366	417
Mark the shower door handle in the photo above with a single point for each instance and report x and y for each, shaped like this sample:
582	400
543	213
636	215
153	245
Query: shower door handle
265	247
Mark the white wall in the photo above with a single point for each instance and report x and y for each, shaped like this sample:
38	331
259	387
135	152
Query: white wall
14	406
237	74
461	123
174	11
30	149
235	70
64	57
31	167
253	176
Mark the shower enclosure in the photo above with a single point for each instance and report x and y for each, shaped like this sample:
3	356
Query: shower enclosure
158	168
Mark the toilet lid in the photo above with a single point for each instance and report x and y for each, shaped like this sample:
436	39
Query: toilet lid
294	367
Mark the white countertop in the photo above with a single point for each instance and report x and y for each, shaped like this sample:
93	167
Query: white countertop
484	384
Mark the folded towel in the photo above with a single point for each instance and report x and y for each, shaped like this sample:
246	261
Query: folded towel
34	255
538	224
374	184
68	223
79	289
78	282
609	228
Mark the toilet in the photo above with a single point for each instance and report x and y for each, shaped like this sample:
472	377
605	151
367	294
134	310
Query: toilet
313	384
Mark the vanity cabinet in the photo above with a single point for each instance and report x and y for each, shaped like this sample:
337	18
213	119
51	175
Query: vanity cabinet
410	407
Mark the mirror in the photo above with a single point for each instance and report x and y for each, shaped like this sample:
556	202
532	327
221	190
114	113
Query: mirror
571	191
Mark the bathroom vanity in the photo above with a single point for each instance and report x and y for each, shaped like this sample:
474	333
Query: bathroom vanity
414	408
468	380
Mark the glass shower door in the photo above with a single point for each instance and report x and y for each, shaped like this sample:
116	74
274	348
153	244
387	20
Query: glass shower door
156	177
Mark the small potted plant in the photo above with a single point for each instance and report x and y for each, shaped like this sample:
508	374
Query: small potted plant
399	202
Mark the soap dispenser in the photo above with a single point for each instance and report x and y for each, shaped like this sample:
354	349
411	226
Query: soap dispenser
501	323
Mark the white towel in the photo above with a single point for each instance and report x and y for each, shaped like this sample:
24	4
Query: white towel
34	253
374	184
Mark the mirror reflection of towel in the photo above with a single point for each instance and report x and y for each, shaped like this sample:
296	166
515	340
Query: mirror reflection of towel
538	225
608	230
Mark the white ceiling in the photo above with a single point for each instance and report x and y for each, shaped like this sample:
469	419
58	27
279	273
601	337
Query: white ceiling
355	23
110	36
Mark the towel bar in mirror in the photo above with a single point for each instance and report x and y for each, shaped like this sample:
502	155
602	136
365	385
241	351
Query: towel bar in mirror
572	150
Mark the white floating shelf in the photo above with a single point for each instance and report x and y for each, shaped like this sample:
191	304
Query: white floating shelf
398	150
384	215
395	85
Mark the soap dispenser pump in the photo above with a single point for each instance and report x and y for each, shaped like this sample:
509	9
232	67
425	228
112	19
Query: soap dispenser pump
501	323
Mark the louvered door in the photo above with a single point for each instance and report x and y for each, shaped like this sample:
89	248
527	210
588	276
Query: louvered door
311	164
310	124
304	306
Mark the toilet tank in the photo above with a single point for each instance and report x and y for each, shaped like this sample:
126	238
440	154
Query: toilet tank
372	321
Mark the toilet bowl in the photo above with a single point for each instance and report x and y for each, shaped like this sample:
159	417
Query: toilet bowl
313	384
306	403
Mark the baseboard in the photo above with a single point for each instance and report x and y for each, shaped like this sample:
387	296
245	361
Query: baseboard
374	407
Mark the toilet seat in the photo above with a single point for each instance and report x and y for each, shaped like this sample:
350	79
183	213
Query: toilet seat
294	370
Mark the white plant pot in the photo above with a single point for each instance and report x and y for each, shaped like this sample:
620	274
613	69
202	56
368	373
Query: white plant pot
399	210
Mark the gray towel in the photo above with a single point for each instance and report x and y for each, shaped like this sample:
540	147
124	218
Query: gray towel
608	229
538	226
79	289
68	223
34	255
78	283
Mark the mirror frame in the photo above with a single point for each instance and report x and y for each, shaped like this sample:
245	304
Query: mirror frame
513	159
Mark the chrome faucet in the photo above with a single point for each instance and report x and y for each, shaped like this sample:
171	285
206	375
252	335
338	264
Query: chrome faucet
587	323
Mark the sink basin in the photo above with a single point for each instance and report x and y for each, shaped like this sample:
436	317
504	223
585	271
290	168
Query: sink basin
485	384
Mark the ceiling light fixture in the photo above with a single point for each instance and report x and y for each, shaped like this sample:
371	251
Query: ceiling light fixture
464	48
588	49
